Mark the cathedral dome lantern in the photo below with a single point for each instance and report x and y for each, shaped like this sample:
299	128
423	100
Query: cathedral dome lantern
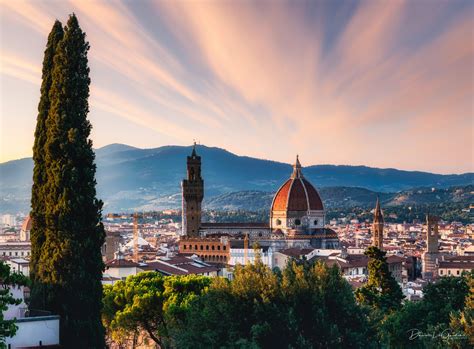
297	204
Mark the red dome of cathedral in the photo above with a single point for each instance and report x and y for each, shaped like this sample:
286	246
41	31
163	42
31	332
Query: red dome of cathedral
26	226
297	194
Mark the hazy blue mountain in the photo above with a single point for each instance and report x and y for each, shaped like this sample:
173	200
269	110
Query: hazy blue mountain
347	197
130	177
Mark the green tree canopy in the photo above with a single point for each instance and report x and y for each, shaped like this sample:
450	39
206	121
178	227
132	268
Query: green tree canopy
38	194
151	303
463	321
8	280
382	291
442	300
307	307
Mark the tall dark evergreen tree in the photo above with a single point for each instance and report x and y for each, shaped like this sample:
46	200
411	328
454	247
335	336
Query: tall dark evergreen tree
382	291
38	194
70	265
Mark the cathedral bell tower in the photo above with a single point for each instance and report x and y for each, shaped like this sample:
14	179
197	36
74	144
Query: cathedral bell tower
429	258
193	193
378	227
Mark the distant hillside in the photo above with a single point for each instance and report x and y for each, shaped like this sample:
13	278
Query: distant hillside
132	178
347	197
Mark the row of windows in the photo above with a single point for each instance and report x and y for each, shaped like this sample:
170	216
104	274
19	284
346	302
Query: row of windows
297	222
214	258
190	247
22	253
449	272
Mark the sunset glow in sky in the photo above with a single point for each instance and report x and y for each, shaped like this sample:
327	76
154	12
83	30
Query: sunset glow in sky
378	83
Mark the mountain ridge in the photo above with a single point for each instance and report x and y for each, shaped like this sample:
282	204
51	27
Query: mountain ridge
129	177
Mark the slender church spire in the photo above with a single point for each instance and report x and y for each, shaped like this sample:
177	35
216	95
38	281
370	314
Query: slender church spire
378	217
378	226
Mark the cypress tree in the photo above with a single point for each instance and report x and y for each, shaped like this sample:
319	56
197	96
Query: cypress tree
382	290
70	263
39	171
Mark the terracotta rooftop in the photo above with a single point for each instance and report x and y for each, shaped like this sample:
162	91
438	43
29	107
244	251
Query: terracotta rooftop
27	224
468	265
234	225
296	252
121	263
180	265
297	194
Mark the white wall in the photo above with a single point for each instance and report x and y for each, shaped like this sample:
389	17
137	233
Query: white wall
237	256
122	272
35	329
15	311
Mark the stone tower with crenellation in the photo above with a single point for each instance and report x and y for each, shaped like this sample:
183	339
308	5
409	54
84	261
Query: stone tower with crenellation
377	227
430	256
193	193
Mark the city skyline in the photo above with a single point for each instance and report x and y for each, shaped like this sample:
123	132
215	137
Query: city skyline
382	85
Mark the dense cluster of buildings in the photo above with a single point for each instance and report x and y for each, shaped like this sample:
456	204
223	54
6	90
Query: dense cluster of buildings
297	228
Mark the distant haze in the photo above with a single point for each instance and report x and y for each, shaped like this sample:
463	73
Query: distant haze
380	83
130	178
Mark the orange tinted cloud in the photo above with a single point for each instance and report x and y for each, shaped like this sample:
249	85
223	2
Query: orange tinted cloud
335	84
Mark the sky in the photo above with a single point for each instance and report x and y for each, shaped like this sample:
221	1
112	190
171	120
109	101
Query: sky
376	83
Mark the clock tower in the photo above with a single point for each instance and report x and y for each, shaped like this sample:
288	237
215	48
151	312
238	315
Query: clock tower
193	193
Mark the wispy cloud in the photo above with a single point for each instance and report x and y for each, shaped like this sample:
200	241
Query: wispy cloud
336	84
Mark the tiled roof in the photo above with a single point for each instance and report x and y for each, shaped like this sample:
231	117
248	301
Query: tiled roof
315	202
164	268
394	259
297	194
234	225
296	252
27	224
459	258
180	265
281	197
468	265
121	263
297	199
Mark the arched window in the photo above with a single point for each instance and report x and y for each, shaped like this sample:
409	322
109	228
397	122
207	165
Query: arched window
184	247
207	247
315	222
212	247
218	248
297	222
202	247
278	222
196	247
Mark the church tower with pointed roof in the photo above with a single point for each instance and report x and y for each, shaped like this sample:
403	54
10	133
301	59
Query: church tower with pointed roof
377	227
193	193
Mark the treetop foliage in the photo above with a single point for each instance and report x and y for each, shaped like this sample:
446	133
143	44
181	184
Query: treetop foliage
9	279
381	291
68	234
